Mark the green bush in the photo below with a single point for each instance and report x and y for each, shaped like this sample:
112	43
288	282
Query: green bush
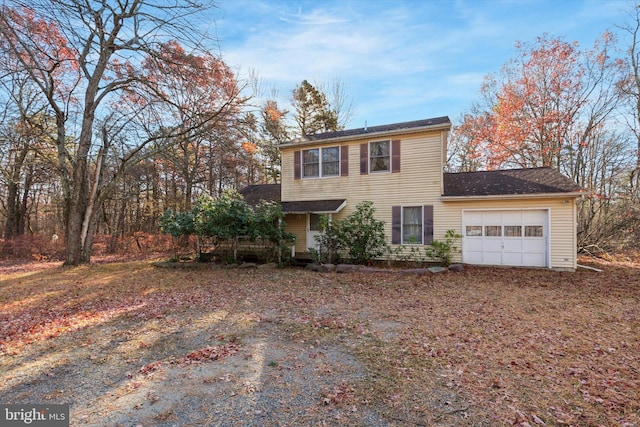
359	237
442	251
230	218
330	242
363	234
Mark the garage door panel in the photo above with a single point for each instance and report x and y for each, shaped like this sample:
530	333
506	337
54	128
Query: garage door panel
534	245
514	238
474	245
492	258
492	244
491	217
512	245
536	259
512	258
474	257
512	218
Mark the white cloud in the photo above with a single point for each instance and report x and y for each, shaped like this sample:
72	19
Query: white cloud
398	58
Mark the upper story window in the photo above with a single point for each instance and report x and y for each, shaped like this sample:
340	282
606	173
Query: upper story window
380	156
321	162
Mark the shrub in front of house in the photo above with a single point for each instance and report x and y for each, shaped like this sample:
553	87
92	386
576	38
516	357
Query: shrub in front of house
358	238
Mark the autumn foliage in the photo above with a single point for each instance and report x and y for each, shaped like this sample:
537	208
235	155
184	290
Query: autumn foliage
540	109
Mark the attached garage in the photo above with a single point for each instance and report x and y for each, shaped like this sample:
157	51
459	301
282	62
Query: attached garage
506	237
518	217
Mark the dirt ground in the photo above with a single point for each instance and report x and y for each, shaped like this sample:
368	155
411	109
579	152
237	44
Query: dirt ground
132	344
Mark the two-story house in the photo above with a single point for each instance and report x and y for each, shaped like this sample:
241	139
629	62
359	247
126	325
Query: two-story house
520	217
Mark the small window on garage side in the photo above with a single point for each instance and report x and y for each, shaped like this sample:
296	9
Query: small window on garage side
533	231
493	230
512	231
473	230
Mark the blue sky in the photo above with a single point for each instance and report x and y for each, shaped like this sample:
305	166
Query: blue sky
398	60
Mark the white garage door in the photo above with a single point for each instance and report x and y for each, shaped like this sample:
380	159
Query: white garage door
514	238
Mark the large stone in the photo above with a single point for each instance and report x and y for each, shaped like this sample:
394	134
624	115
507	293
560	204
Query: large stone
438	270
345	268
326	268
268	266
248	265
312	267
456	267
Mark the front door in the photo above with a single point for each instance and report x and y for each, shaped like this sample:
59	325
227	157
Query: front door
313	230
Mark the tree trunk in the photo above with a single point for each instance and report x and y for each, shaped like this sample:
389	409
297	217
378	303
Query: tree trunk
77	204
76	210
11	224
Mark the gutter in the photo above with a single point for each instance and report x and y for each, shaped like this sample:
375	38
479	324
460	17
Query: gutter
511	196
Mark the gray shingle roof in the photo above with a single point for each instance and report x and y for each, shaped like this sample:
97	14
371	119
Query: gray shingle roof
314	206
508	182
254	193
373	129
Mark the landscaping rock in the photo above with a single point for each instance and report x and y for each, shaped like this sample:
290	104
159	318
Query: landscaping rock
346	268
248	265
437	270
326	268
268	266
456	267
312	267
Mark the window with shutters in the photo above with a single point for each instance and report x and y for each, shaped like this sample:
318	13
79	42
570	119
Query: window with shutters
412	225
321	162
380	156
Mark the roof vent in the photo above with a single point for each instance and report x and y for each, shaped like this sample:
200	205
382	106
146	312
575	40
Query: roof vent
365	125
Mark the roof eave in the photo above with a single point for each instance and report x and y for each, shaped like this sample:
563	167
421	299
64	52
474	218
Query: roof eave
574	195
336	210
368	135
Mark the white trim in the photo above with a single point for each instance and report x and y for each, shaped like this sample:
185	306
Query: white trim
320	175
421	242
511	196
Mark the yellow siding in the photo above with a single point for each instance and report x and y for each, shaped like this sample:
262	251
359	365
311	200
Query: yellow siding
419	181
297	224
562	233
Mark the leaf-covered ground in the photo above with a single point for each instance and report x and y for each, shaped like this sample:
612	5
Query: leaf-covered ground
132	344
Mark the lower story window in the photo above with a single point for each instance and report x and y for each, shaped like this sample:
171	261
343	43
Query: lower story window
412	225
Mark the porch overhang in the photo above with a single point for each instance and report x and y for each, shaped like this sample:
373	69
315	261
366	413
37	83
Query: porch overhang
313	206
